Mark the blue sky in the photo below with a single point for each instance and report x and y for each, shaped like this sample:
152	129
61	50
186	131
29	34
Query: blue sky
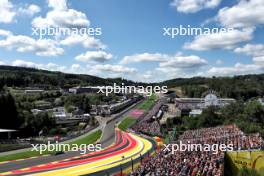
132	44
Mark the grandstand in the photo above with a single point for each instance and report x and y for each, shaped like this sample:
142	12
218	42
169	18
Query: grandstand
150	123
201	103
205	163
106	110
194	106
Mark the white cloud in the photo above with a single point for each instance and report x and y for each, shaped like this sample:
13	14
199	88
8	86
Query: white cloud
177	60
61	16
244	17
114	68
246	13
2	63
79	69
181	66
165	73
85	40
104	70
147	75
58	4
256	67
144	57
28	64
98	56
7	12
29	10
75	66
237	69
5	33
226	40
21	43
170	66
259	60
251	50
184	62
54	67
192	6
22	63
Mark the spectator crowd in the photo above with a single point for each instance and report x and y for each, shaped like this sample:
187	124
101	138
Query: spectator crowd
150	123
198	163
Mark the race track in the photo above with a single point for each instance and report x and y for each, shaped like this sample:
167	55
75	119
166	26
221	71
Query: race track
127	147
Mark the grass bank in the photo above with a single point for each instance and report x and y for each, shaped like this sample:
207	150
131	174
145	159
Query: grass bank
126	123
147	104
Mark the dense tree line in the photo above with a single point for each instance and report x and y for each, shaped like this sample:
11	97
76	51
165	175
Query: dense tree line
248	116
30	77
84	101
8	111
80	101
238	87
17	115
16	110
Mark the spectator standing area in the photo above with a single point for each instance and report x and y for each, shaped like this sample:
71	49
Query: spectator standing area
200	163
136	113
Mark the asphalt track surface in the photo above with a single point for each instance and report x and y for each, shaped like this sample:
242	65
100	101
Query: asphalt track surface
70	160
107	139
127	146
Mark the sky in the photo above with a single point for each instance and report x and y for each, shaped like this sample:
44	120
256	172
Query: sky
129	38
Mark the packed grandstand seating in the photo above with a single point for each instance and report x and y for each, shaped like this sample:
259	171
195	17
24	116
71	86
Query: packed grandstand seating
150	124
152	128
182	164
155	109
198	163
229	134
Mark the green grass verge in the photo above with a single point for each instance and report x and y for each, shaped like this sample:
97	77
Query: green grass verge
22	155
89	139
146	105
126	123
